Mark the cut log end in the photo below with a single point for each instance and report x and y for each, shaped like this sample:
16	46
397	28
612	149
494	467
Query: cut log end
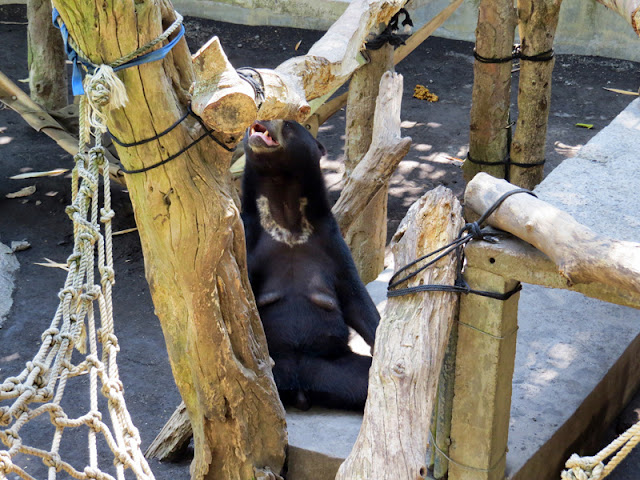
232	113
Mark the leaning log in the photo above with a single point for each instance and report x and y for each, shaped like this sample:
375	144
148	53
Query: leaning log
386	151
367	236
410	345
581	255
172	441
627	9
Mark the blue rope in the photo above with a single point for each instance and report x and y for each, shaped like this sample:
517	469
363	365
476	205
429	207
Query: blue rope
77	61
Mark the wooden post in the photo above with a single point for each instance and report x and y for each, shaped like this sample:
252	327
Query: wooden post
442	437
489	130
411	341
484	372
193	243
538	20
47	73
367	236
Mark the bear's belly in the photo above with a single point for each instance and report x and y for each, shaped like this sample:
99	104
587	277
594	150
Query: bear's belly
295	324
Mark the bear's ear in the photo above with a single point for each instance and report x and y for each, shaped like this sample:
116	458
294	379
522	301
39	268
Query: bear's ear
323	151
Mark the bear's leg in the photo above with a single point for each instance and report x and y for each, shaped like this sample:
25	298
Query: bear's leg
285	373
336	382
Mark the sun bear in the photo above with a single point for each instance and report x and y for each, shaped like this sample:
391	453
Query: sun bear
303	278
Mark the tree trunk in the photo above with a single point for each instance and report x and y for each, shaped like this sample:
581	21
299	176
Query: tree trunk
413	333
193	243
47	73
538	20
367	236
582	256
489	130
627	9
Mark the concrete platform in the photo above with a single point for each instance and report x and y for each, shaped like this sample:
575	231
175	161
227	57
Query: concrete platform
578	359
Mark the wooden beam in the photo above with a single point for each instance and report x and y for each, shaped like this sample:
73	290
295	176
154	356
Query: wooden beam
516	258
14	98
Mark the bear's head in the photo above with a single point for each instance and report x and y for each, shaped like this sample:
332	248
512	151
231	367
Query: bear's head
281	147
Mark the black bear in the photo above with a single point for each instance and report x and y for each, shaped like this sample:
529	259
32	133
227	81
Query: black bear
303	277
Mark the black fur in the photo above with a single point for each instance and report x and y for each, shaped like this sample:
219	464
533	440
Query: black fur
307	292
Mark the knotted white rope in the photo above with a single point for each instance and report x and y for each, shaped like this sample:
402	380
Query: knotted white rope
593	468
40	387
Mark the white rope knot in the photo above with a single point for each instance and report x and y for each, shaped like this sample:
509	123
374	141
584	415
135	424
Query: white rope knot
582	468
5	419
105	91
53	460
6	465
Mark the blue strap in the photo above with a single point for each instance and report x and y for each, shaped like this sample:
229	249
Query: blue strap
153	56
76	78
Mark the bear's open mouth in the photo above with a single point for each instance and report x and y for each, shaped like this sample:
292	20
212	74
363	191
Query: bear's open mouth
260	131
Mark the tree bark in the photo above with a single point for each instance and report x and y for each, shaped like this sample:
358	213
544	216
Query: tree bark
582	256
367	236
47	73
538	20
489	130
414	330
193	243
627	9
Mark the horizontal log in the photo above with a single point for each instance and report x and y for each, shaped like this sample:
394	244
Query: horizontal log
581	255
224	100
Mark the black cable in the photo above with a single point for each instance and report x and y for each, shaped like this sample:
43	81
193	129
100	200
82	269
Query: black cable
471	231
507	162
516	54
208	133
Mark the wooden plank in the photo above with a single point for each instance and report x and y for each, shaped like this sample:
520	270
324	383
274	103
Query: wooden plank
484	372
518	259
32	113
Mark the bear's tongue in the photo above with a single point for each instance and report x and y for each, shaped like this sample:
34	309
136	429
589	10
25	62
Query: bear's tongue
258	130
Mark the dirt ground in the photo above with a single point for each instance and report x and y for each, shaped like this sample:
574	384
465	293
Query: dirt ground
439	131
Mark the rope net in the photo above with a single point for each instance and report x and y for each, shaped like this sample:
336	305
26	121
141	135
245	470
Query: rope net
39	389
593	468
